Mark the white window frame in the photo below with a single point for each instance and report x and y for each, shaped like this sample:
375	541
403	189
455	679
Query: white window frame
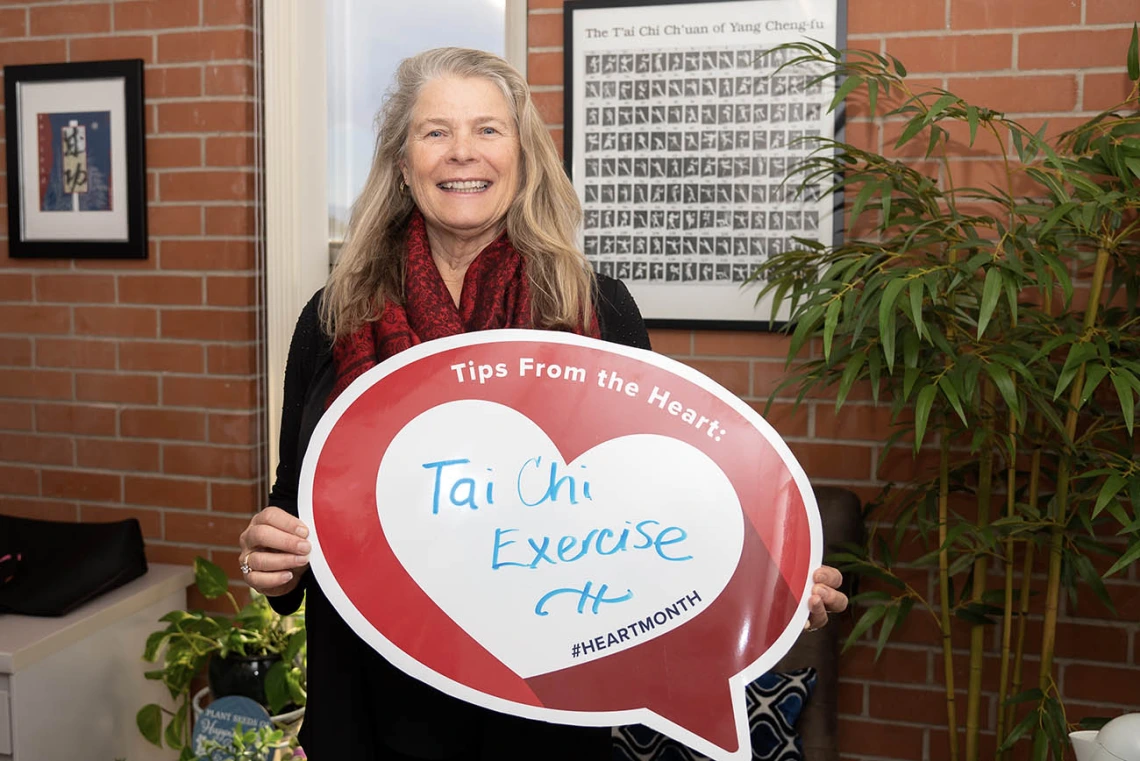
298	250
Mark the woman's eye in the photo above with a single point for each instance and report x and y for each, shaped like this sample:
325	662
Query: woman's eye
435	133
489	131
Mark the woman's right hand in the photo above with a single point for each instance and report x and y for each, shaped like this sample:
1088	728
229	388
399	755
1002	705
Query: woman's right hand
274	551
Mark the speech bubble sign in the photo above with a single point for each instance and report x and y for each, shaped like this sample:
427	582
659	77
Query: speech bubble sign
563	529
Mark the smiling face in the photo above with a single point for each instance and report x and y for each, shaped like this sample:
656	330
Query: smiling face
461	162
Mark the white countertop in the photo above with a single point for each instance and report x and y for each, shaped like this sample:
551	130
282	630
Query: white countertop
24	640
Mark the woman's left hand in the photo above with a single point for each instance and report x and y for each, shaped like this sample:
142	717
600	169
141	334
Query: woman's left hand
825	597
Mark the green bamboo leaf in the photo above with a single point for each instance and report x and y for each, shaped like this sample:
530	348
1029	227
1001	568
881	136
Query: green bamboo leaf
1134	57
829	323
1005	385
210	579
991	292
861	199
1127	559
922	405
972	119
951	394
1133	165
887	319
865	622
886	189
874	369
872	94
850	374
149	721
844	90
1124	393
912	128
1093	376
939	106
910	376
899	68
889	620
916	291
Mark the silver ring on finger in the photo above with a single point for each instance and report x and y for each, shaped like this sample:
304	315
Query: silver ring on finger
244	566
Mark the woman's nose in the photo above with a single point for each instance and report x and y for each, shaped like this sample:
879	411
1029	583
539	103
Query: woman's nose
462	147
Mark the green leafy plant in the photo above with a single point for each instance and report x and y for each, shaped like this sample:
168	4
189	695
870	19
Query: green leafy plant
191	638
1001	325
264	744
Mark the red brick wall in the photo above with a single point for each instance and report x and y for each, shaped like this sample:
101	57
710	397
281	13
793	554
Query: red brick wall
1037	60
130	388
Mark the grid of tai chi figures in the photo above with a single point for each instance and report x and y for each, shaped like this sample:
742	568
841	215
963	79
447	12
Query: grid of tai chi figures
685	157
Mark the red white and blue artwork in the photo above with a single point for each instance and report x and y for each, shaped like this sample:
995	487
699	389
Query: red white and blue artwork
75	161
564	529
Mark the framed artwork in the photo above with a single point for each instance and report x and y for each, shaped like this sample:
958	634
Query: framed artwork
679	134
76	160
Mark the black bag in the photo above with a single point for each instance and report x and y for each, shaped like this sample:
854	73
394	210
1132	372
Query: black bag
54	567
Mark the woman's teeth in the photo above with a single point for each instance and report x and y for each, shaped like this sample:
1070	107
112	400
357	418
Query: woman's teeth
467	186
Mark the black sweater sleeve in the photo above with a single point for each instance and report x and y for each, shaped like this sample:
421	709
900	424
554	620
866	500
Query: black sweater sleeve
618	316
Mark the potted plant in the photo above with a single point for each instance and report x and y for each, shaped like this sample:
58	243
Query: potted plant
255	653
1001	324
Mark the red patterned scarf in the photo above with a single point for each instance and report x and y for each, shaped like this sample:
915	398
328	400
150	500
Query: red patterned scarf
496	294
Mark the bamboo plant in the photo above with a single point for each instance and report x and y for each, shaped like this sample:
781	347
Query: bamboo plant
1001	325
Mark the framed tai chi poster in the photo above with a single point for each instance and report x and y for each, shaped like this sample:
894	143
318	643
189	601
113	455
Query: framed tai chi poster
681	129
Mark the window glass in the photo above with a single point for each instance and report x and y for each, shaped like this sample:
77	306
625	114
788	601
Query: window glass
366	39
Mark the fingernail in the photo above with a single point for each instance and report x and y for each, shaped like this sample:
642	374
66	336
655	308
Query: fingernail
302	532
304	548
303	560
288	576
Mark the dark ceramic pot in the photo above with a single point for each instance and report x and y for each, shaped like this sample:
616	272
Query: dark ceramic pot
240	675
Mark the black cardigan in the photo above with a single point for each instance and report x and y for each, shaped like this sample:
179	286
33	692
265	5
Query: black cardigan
360	706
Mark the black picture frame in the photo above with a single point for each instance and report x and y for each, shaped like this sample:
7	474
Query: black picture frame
113	173
632	33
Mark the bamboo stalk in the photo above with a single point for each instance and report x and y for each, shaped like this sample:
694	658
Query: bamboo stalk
978	631
944	589
1007	606
1061	501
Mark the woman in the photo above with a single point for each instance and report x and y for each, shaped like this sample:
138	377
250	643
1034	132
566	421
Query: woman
466	222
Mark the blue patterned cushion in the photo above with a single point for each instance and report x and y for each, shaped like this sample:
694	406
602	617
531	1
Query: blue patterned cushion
774	705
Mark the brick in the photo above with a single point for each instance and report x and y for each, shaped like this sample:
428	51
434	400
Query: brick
157	552
205	116
173	152
1106	91
925	706
15	416
1101	684
532	4
732	343
17	480
67	352
236	291
850	698
733	375
1110	11
76	18
16	352
982	14
160	289
549	105
230	151
218	185
231	360
230	220
974	52
42	509
987	745
984	145
173	82
245	499
209	324
161	356
116	387
859	663
229	79
165	492
1086	641
75	484
785	418
204	528
111	47
75	418
35	384
544	68
672	343
75	288
233	428
163	424
766	378
35	319
213	254
1072	49
174	220
867	738
12	23
836	461
1018	94
128	322
215	393
544	30
150	521
901	464
858	422
156	14
116	455
871	16
16	287
215	45
556	137
211	461
227	12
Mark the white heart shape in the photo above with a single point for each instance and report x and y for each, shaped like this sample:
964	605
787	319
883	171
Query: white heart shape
459	495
